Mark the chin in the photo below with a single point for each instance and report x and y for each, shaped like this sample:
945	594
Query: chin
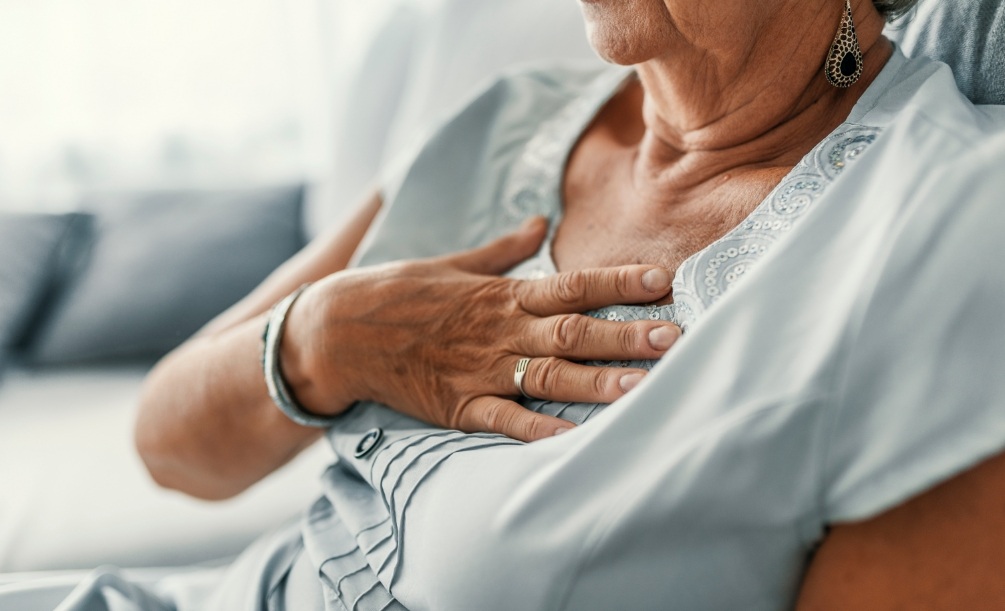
622	39
616	50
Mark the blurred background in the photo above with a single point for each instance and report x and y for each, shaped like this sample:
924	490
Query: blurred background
158	158
125	94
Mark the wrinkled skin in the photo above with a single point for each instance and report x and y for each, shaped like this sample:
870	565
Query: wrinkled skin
439	339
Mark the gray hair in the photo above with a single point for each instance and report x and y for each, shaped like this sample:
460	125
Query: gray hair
891	9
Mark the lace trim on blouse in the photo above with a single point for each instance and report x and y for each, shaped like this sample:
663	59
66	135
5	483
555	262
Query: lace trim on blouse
535	183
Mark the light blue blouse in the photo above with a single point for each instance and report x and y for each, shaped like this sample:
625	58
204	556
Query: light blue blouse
835	363
843	352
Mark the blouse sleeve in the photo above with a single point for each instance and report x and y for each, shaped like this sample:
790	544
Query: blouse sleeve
922	395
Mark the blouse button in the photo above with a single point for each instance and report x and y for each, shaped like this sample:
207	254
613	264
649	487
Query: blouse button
370	441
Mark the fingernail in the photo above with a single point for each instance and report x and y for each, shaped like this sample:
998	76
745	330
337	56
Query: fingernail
656	280
661	338
562	429
629	381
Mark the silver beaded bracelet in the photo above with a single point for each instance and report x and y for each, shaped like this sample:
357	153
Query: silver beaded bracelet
279	391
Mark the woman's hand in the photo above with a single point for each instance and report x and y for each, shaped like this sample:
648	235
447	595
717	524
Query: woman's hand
439	339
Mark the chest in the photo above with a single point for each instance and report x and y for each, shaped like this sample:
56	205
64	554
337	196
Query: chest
609	220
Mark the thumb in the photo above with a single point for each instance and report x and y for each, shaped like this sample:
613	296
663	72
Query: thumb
501	254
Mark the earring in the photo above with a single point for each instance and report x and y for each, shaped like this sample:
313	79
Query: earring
844	62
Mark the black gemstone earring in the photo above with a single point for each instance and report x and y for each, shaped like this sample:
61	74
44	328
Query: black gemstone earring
844	62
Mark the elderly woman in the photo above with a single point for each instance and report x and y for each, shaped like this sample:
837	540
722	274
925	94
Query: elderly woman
772	177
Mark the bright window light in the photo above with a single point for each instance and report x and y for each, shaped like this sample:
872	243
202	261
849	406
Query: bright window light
110	94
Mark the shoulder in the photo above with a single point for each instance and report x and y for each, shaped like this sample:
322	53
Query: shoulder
450	182
940	550
923	87
915	476
919	401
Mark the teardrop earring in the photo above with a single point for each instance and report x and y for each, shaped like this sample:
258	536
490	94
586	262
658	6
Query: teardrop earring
844	62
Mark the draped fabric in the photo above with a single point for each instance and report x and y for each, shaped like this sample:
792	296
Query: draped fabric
839	367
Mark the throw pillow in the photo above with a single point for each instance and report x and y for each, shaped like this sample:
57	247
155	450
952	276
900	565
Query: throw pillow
31	246
162	265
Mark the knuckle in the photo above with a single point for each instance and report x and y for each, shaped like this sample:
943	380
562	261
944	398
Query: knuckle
630	338
456	419
603	381
624	282
547	376
492	416
470	415
506	421
531	426
514	294
570	331
456	416
570	287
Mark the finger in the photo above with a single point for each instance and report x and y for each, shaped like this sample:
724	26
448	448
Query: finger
498	415
556	379
501	254
580	337
594	288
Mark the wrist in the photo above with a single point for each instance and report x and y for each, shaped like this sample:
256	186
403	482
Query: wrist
305	360
295	363
288	374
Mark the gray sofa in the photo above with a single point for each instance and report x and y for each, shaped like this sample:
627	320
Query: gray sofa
88	301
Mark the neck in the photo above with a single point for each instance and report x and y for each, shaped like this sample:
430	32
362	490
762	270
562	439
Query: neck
708	112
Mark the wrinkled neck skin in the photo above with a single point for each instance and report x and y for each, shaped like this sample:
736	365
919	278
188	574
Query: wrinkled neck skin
723	99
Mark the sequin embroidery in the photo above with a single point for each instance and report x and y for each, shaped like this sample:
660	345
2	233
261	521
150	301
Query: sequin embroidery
534	187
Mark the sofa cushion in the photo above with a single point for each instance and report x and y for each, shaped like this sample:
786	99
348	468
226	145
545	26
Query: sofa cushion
969	35
163	264
75	493
31	249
